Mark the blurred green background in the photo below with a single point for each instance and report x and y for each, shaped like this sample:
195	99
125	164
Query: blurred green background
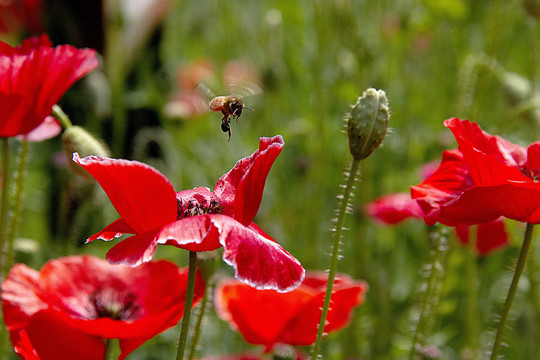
434	60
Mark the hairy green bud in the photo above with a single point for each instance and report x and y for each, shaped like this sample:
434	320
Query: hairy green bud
367	123
76	139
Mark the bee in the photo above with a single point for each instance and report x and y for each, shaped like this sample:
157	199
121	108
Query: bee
231	106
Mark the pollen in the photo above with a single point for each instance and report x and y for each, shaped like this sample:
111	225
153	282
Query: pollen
114	305
194	208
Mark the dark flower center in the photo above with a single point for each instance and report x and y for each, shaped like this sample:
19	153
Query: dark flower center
531	173
193	208
114	305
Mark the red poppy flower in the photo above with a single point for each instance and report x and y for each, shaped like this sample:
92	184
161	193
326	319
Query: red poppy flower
66	310
486	178
33	77
197	219
392	209
266	317
26	14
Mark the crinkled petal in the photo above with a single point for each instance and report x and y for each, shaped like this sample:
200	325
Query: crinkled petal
257	261
33	77
143	197
240	190
112	231
195	233
468	133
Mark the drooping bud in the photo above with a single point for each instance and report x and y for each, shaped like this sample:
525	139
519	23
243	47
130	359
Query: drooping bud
284	352
367	123
515	87
76	139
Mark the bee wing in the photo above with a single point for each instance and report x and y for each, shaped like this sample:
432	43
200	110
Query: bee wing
243	89
205	96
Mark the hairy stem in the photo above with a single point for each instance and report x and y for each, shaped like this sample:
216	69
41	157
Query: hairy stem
512	291
187	307
197	331
347	195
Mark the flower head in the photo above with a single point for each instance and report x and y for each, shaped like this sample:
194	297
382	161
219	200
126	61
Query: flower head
33	77
81	300
487	177
198	219
266	317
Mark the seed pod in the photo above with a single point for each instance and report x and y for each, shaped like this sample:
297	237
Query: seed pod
367	123
76	139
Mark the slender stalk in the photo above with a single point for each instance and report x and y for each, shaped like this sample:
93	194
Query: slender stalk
187	307
4	202
197	331
347	195
17	204
471	277
512	291
61	116
3	229
431	292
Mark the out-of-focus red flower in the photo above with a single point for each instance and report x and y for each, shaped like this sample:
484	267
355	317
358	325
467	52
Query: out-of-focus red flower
197	219
490	236
266	317
392	209
25	14
33	77
67	309
486	178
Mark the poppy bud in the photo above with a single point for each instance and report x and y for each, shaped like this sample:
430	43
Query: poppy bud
367	123
76	139
283	352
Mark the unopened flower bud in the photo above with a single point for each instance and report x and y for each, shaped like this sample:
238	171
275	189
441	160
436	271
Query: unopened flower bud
283	352
367	123
76	139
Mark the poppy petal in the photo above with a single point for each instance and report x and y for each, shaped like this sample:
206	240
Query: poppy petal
394	208
134	250
112	231
240	190
257	261
143	197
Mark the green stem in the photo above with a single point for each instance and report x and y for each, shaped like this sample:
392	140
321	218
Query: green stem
61	116
471	269
430	295
17	205
4	203
198	324
187	307
3	229
347	195
512	291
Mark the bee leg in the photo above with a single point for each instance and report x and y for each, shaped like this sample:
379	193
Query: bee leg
229	135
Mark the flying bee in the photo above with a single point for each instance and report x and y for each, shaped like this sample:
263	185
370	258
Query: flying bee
231	106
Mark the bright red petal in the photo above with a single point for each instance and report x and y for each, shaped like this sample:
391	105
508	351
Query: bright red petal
240	190
446	184
490	236
257	261
394	208
143	197
48	129
113	230
33	78
53	339
468	133
134	250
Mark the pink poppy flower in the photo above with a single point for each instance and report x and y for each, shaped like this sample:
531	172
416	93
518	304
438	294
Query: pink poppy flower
197	219
66	310
33	77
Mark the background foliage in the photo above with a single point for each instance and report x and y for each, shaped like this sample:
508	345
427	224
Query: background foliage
315	59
